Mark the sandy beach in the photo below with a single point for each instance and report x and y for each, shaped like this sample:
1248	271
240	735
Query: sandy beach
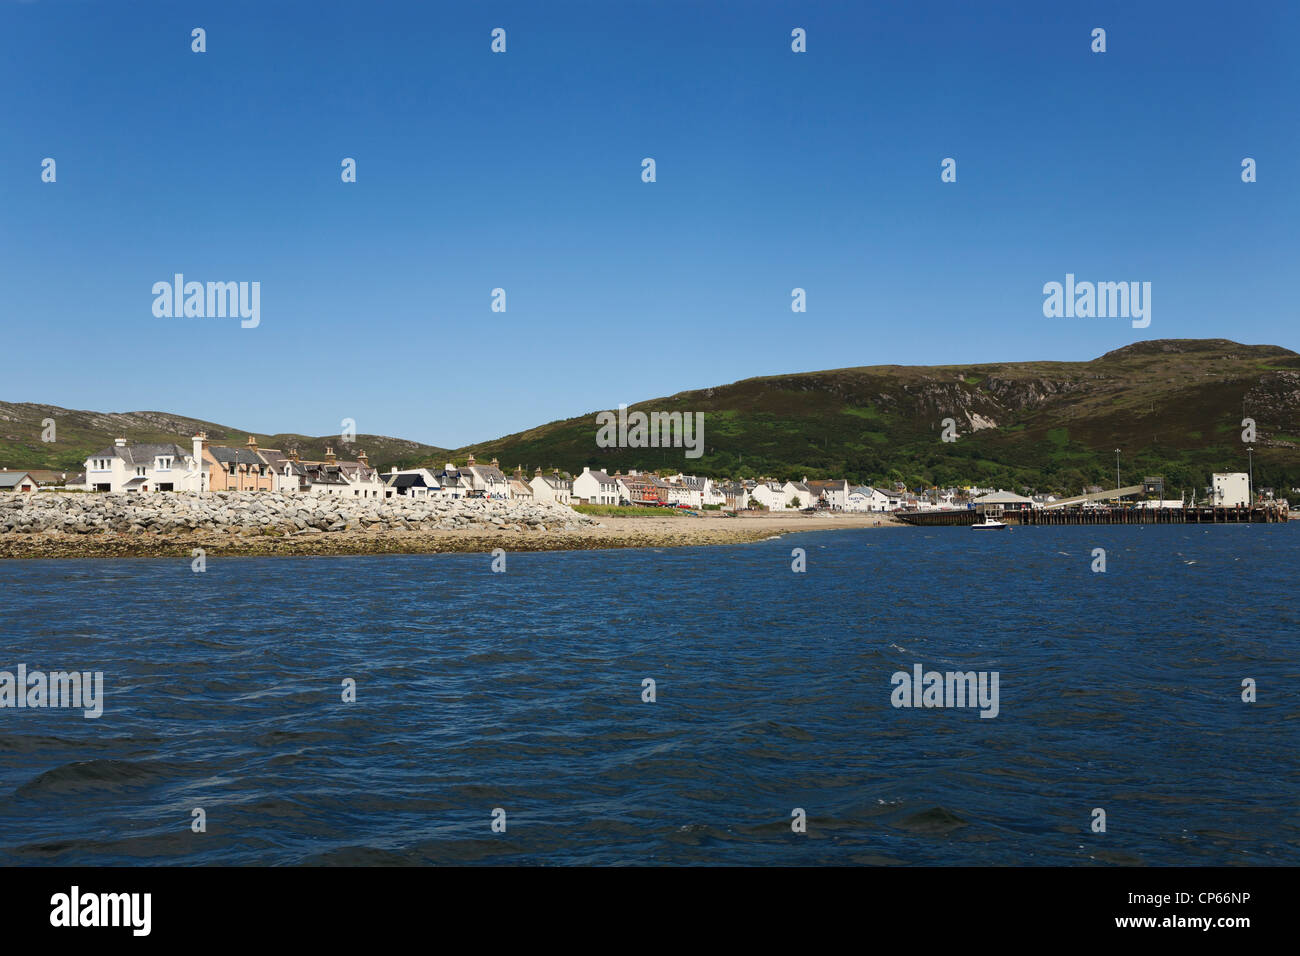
612	532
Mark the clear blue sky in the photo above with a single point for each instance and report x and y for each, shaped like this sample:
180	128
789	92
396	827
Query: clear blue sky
522	170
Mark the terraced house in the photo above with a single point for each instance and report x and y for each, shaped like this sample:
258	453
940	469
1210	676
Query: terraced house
554	487
240	469
595	488
488	481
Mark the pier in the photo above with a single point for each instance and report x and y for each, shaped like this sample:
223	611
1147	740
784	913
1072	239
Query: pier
1260	514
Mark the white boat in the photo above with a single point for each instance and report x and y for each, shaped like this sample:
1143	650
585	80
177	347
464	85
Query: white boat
988	524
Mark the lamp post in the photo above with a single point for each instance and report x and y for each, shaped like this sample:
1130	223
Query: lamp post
1117	477
1250	459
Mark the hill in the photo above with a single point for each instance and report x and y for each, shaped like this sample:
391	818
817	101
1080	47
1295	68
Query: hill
80	434
1174	407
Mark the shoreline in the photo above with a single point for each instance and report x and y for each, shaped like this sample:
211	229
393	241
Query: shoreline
610	533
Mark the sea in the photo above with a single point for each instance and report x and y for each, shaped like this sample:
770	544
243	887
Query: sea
681	706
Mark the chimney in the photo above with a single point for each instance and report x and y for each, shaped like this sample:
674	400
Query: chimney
361	457
120	443
470	463
495	463
252	443
200	439
586	469
450	467
330	457
519	472
538	471
293	454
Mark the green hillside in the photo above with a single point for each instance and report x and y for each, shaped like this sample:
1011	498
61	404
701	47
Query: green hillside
82	433
1174	408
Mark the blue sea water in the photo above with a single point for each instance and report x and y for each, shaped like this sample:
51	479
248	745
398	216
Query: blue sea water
523	691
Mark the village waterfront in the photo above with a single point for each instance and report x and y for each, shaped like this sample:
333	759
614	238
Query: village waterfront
524	691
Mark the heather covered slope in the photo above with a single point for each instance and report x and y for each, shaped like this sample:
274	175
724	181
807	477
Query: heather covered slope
1174	407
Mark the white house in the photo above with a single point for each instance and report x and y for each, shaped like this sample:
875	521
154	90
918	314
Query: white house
714	493
770	495
836	492
866	498
687	490
363	481
453	483
146	467
411	483
799	495
489	480
595	488
552	487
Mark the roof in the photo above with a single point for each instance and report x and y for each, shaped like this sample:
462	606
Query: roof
143	453
240	456
11	479
407	481
600	476
1003	498
828	483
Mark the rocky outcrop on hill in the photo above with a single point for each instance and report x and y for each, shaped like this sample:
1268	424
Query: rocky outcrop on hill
266	513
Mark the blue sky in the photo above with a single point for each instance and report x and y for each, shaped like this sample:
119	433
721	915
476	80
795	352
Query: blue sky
523	171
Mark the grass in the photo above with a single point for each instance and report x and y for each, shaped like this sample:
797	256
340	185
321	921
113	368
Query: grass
620	511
